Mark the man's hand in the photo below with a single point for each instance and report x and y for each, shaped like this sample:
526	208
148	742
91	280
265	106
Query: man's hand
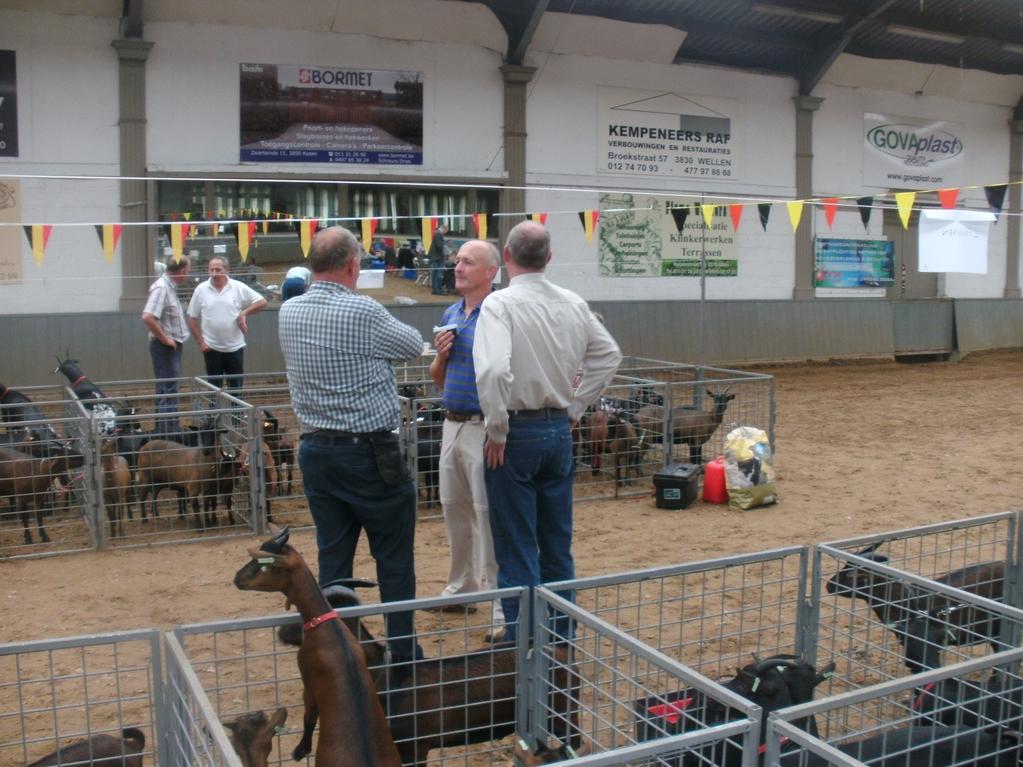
243	323
167	341
443	342
494	454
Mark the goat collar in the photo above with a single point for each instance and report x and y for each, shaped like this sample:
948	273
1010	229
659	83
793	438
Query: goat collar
77	381
7	389
311	624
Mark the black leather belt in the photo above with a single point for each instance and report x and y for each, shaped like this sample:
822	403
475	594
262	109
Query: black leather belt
454	415
333	437
544	413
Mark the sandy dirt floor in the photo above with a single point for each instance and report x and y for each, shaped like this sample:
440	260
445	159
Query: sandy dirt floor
862	447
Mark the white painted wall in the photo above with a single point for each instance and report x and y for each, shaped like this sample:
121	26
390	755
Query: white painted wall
67	124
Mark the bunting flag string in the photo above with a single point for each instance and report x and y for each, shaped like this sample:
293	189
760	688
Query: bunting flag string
764	209
735	213
369	228
306	229
479	220
866	205
995	197
589	219
830	208
947	198
177	241
39	238
246	233
708	214
109	235
266	224
680	214
539	218
429	226
904	201
795	213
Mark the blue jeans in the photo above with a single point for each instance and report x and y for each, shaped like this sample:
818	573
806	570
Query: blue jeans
530	500
346	495
166	370
221	364
437	277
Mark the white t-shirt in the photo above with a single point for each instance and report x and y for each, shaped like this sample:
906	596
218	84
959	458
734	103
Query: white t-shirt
217	312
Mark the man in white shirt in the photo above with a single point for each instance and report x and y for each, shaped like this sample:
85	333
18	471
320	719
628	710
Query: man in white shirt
531	339
168	331
217	316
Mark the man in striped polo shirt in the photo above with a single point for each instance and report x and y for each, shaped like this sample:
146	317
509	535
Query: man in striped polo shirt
463	493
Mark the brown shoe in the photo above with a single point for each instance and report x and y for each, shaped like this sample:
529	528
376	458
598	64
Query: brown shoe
460	609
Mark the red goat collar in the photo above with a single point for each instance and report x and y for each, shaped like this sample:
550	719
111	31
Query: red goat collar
80	379
311	624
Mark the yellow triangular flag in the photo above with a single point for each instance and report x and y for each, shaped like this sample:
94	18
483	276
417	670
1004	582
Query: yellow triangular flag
905	202
428	227
708	213
177	241
795	212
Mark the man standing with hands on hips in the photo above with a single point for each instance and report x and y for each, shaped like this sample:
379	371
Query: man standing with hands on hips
168	332
531	339
217	316
463	492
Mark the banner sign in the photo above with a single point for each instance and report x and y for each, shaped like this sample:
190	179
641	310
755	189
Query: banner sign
8	105
853	263
642	240
331	115
651	133
11	237
954	240
909	151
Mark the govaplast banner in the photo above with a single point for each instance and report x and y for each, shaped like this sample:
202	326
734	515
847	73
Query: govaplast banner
912	151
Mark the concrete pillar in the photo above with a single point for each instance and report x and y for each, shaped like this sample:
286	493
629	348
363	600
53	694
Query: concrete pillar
135	256
805	107
1012	209
516	78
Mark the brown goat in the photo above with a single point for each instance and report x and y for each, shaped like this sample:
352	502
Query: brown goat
691	426
283	451
545	754
189	470
26	480
106	750
453	701
116	487
338	688
252	735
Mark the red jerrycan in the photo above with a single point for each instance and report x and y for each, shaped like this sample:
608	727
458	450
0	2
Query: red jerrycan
714	481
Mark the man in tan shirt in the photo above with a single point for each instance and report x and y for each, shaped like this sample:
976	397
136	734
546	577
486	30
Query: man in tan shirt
531	339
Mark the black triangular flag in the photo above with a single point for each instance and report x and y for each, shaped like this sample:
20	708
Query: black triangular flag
866	205
995	197
680	214
764	209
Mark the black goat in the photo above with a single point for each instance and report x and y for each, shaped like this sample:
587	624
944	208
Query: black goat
429	428
772	683
691	426
17	409
104	415
997	701
924	623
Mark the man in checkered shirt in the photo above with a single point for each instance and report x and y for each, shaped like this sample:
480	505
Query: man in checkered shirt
338	347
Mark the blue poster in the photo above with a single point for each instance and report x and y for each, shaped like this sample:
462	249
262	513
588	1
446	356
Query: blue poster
854	263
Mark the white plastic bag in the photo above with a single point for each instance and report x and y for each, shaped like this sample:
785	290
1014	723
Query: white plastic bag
749	468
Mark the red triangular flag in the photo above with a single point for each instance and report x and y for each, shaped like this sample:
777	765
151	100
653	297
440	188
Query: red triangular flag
830	208
947	197
735	213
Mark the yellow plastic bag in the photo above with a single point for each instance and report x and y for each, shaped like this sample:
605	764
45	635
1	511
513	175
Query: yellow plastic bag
749	468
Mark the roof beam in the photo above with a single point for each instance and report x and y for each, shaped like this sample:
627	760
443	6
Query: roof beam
521	26
822	59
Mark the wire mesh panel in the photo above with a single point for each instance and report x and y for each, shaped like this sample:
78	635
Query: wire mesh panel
41	503
195	735
711	615
881	623
426	424
965	714
455	705
599	691
614	456
103	689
